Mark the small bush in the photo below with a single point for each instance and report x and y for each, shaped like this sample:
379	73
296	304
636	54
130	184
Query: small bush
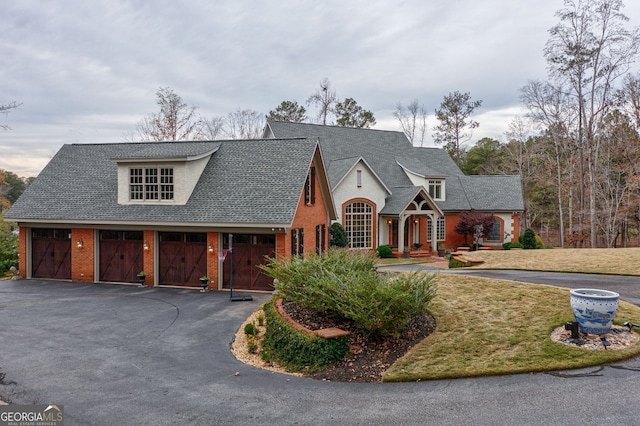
251	330
337	236
529	239
297	350
539	242
260	318
384	251
252	344
511	244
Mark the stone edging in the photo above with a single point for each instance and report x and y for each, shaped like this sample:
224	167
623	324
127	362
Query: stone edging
327	333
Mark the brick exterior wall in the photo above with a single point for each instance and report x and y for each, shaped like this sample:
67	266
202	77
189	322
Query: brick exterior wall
22	251
83	258
307	217
148	264
212	261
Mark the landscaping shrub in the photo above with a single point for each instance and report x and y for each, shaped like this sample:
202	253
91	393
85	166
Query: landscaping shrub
384	251
539	242
251	330
511	244
337	236
297	350
344	283
529	239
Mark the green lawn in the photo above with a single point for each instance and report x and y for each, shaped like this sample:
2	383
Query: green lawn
492	327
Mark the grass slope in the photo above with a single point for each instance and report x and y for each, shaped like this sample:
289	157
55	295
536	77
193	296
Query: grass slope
619	261
492	327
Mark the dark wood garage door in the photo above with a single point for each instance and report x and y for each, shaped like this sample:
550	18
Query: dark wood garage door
249	252
120	255
183	258
51	253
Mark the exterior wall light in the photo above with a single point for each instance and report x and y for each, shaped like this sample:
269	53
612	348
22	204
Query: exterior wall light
210	248
80	244
145	245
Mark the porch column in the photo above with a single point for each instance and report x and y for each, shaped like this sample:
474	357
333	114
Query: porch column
434	236
401	221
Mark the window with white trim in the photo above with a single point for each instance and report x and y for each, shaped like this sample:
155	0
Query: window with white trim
358	224
150	184
441	226
436	189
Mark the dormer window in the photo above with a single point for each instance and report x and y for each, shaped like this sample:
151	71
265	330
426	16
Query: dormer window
151	184
436	189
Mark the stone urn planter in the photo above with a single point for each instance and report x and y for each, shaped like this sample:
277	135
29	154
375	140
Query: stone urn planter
594	309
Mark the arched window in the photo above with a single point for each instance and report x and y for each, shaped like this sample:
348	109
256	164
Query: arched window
358	224
495	233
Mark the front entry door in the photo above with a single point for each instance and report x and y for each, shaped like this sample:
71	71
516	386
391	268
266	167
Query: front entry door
249	252
183	258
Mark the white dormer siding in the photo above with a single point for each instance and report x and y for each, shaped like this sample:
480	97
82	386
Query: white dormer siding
360	182
186	175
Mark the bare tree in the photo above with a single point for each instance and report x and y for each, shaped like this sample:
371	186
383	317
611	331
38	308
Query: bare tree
212	128
618	175
413	121
455	126
243	124
6	109
629	97
588	50
551	107
324	98
174	122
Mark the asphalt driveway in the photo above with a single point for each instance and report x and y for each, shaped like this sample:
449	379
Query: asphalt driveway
115	354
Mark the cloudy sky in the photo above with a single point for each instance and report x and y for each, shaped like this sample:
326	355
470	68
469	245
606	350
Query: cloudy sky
87	71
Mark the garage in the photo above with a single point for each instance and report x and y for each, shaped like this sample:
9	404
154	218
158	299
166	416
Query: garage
120	255
51	253
249	252
183	258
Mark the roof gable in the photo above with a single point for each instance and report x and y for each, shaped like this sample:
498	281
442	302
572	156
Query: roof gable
346	165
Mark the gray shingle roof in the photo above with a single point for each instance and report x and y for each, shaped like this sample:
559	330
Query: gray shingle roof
244	182
399	199
377	147
385	151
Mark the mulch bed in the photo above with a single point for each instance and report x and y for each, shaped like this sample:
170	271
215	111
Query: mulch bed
367	359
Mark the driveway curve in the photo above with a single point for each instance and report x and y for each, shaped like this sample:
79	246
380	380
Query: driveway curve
117	354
